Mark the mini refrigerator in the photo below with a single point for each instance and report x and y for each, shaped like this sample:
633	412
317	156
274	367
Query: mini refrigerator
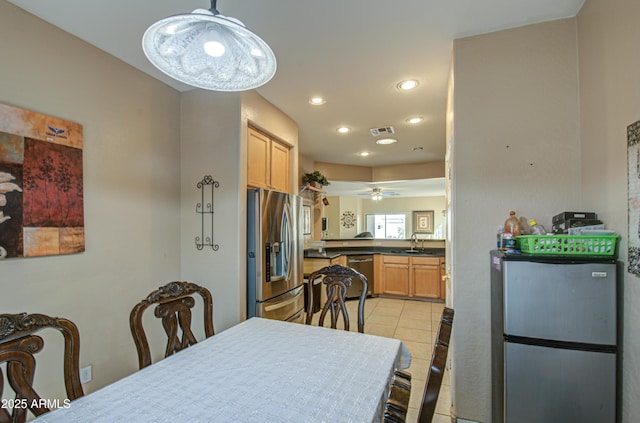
555	339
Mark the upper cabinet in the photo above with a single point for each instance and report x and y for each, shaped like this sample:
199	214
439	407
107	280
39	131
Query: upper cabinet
268	161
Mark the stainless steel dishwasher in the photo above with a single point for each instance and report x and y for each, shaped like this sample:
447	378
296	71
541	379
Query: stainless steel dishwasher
364	265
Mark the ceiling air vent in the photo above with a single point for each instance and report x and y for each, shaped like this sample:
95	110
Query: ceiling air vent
385	130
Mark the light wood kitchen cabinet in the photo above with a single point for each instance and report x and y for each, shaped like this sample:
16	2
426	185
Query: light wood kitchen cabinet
425	280
378	266
395	275
414	277
443	280
312	264
342	260
268	162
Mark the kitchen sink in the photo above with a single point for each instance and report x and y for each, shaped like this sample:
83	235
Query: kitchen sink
414	251
418	252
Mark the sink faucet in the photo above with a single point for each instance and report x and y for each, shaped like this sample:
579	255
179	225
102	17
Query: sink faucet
414	240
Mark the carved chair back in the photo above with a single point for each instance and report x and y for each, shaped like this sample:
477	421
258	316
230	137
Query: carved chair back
174	302
337	279
437	367
18	344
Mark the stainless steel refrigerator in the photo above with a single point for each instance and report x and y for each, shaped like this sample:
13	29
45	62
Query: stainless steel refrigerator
555	339
275	284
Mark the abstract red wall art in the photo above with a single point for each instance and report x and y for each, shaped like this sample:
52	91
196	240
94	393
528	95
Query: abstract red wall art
41	185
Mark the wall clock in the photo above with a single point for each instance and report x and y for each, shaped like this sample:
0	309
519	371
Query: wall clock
348	219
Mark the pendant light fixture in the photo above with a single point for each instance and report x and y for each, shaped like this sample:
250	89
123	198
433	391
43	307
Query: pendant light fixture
208	50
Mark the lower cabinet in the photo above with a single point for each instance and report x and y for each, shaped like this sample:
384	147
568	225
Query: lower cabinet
395	275
403	276
418	277
313	264
425	280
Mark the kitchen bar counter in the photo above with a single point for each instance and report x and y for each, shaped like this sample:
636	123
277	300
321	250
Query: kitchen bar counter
331	253
396	272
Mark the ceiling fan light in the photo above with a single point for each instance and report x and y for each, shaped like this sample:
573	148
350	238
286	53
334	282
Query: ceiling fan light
210	51
386	141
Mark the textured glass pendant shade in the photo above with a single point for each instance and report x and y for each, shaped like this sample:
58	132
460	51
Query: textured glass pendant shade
209	51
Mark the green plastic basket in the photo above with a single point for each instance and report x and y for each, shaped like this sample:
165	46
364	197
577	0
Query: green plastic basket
569	245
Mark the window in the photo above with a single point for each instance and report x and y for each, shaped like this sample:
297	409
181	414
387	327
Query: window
388	226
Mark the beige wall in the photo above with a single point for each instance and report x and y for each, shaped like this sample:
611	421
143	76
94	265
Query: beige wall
608	34
516	147
210	146
214	138
338	172
388	205
337	206
407	206
131	185
146	147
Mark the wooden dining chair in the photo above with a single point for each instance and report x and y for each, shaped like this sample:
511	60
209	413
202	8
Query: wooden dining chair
437	367
337	279
174	303
397	404
18	344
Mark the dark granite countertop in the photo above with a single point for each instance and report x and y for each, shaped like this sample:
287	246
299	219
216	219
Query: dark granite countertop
331	253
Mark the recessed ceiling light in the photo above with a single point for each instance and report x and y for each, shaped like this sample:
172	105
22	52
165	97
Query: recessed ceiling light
317	101
385	141
418	148
408	84
343	130
364	154
415	119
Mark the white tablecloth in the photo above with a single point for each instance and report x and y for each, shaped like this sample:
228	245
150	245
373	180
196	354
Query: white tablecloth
258	371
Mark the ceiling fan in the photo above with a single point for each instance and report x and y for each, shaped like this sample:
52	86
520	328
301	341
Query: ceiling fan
377	194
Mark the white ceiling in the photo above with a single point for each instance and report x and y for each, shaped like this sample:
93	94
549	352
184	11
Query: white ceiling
352	52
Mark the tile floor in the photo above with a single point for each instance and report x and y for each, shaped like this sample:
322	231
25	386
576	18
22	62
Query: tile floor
415	323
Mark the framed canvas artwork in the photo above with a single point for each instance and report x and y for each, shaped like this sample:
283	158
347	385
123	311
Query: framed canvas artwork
41	185
423	222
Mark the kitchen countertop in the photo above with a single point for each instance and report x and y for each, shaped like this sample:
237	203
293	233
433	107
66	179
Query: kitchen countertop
331	253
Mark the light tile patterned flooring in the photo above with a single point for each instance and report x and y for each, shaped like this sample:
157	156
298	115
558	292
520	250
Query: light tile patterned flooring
415	323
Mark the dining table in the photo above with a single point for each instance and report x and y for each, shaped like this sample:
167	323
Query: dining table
259	370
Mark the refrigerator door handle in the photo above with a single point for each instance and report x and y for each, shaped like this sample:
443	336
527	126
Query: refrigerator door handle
281	304
287	237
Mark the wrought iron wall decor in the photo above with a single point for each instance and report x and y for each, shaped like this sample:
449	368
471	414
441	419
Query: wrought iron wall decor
205	209
633	186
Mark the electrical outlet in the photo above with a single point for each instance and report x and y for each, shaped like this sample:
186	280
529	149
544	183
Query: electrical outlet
85	374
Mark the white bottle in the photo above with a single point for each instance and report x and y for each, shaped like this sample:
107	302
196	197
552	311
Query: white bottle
536	229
